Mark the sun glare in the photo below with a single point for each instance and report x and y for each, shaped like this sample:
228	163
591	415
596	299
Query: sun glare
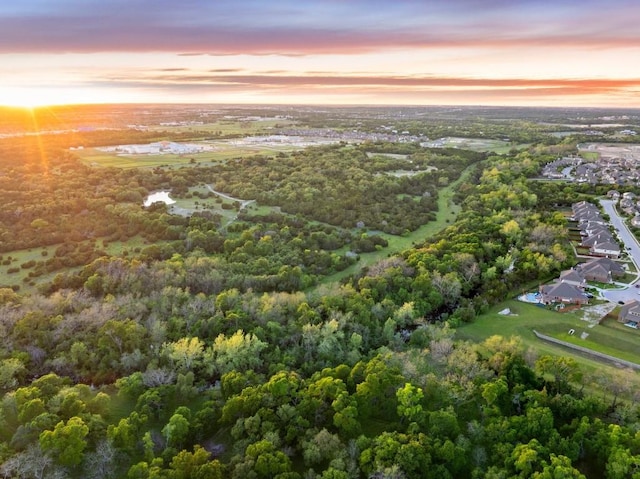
25	98
39	97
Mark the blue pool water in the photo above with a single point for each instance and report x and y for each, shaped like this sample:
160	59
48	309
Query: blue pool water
531	297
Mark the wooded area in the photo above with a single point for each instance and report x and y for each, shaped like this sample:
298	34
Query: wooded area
214	352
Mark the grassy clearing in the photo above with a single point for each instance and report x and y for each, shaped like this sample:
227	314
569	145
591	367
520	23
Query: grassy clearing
229	127
395	156
609	337
11	261
120	248
605	339
212	205
15	259
261	210
481	144
95	157
502	150
589	155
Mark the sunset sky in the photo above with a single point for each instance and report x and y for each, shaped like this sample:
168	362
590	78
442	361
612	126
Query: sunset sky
430	52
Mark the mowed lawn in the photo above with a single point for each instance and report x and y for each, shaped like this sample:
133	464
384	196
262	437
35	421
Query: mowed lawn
609	337
95	157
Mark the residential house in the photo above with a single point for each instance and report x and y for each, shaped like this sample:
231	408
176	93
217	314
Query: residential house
562	293
628	206
586	212
587	215
573	277
630	312
603	270
591	228
607	249
613	194
584	206
600	237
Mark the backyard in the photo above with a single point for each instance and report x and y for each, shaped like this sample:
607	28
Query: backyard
606	336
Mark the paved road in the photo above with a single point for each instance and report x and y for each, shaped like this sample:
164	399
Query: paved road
631	246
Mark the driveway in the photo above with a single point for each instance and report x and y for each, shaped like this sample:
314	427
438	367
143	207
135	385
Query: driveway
631	246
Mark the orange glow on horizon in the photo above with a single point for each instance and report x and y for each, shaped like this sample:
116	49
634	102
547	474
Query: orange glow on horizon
37	97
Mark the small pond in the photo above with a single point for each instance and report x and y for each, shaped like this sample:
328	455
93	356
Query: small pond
162	196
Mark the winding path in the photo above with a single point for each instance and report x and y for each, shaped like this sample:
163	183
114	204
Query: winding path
243	203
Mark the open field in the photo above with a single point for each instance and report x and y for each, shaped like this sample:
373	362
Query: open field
10	262
96	157
229	126
609	337
627	151
590	155
476	144
212	203
15	259
214	151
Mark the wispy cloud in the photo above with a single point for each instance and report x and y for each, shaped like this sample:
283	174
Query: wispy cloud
402	81
356	50
194	27
387	85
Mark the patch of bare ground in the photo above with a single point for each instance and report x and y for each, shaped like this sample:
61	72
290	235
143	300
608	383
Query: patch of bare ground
595	313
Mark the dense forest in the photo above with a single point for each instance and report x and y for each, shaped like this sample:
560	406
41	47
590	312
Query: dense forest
213	352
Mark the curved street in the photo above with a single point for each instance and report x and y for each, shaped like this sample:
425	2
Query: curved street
630	245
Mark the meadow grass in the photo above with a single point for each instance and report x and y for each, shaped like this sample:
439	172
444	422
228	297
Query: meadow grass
483	144
28	284
229	127
589	155
19	257
620	344
609	337
224	152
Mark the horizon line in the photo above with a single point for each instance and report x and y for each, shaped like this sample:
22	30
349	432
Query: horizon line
322	105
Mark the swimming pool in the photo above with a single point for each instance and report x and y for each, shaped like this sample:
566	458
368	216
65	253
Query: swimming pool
531	298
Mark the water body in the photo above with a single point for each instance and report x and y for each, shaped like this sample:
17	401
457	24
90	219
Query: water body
162	196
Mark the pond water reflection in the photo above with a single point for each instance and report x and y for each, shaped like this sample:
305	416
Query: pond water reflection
162	196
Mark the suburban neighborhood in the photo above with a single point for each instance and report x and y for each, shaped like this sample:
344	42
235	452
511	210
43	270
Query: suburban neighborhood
607	269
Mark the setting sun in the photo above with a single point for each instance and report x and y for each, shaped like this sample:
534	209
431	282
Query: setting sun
26	97
31	98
